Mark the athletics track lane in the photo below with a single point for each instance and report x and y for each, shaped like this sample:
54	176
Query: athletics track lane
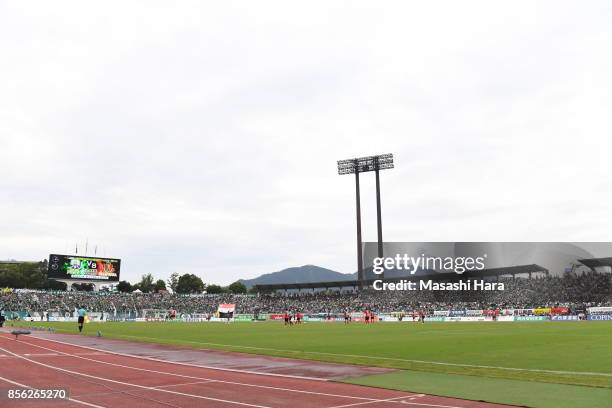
102	379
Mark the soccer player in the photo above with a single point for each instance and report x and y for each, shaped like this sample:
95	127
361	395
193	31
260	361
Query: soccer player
2	318
82	312
286	316
346	317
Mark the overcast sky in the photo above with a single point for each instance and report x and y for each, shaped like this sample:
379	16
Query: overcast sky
203	138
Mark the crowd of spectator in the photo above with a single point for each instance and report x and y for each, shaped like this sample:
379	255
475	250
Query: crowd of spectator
575	291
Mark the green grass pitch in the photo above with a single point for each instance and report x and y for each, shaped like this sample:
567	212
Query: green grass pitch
557	361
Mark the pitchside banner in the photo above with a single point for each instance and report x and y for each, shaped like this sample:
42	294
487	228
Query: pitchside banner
564	317
482	259
601	317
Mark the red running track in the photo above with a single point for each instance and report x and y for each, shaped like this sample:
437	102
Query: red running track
101	379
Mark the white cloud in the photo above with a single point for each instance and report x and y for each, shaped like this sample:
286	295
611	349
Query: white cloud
199	138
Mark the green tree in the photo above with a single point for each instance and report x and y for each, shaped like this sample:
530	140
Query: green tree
189	283
173	281
160	285
55	285
124	286
213	289
146	283
237	287
30	275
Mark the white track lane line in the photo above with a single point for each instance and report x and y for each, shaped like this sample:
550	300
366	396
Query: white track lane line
366	400
395	401
189	383
122	391
194	377
33	388
53	354
136	385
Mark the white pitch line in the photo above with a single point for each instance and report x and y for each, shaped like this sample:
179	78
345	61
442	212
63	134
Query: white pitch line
136	385
32	388
194	377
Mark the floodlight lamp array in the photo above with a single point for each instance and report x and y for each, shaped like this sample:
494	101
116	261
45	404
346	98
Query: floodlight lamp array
364	164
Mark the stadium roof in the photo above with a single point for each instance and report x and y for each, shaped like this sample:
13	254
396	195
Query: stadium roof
596	262
510	270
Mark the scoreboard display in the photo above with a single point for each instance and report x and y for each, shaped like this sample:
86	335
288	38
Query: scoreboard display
83	268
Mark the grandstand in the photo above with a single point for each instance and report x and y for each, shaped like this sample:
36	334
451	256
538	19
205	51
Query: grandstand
574	291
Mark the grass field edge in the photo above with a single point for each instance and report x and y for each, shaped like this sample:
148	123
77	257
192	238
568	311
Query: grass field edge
494	390
404	365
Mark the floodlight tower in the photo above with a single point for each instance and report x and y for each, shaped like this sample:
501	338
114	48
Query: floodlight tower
362	165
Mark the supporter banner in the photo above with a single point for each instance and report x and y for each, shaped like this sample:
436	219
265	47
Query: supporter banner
441	313
278	317
564	317
600	309
559	310
542	311
600	317
491	312
530	318
226	310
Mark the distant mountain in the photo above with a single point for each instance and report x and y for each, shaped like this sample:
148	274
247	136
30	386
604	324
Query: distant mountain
300	274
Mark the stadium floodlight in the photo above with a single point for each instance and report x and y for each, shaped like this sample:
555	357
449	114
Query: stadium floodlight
362	165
